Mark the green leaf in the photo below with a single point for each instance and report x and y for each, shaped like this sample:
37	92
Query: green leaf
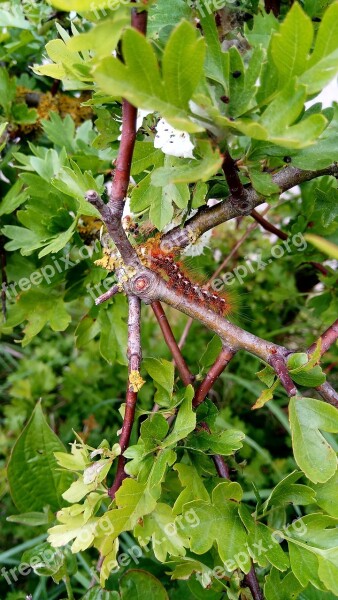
84	5
281	588
211	352
218	521
243	88
185	421
182	64
312	452
326	495
97	593
13	199
33	476
114	332
327	204
323	245
287	491
262	182
193	486
263	547
139	585
160	527
162	372
139	79
291	44
30	519
38	307
193	170
216	61
224	443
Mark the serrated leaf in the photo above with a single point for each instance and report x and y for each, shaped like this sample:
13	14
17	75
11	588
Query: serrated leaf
185	421
193	486
33	476
162	372
327	204
326	495
139	79
193	170
291	44
281	588
262	546
288	491
217	521
312	452
224	443
166	537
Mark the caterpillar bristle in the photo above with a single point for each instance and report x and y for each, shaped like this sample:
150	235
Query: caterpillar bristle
175	273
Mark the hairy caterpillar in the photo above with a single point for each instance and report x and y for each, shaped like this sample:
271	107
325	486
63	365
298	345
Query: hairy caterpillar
174	272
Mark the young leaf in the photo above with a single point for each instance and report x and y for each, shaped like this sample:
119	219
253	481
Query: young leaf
34	479
312	452
160	527
162	372
185	421
138	584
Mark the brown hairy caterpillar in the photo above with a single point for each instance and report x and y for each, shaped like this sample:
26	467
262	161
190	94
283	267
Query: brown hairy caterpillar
176	275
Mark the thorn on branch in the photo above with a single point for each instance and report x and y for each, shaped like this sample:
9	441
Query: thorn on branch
328	338
328	394
215	371
268	226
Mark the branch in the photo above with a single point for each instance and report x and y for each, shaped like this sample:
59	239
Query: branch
107	295
268	226
328	338
277	362
217	368
207	218
134	363
252	583
3	276
168	335
328	394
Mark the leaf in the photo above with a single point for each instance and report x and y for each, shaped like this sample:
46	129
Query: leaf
38	307
162	372
193	486
160	528
243	88
326	495
194	170
291	44
323	245
327	204
281	588
265	396
33	476
302	371
216	61
312	452
217	521
30	519
262	182
224	443
139	79
13	199
263	547
139	585
97	593
185	421
287	491
211	352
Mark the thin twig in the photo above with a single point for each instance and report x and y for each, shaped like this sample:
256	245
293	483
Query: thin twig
206	218
278	364
215	371
231	174
134	362
107	295
252	582
328	338
186	376
328	393
3	276
268	226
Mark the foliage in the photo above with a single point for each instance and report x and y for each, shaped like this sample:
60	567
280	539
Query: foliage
240	82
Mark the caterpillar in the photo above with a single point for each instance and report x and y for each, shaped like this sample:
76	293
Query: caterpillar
166	266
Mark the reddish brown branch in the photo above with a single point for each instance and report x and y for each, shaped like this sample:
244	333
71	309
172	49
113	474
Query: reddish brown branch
268	226
328	394
134	362
168	335
251	582
278	364
328	338
217	368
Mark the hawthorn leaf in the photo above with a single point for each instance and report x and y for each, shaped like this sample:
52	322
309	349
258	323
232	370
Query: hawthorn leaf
40	482
97	593
278	587
217	521
192	170
263	547
160	527
291	44
326	495
313	454
139	79
185	421
242	89
288	491
225	442
162	373
216	61
193	486
138	585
